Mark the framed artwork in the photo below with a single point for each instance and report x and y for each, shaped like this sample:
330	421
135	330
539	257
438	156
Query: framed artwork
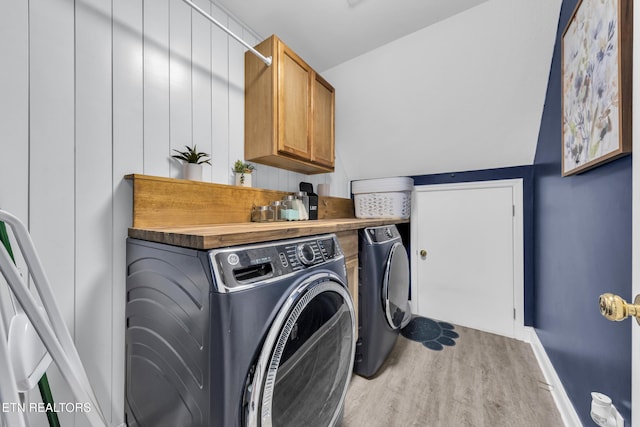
596	84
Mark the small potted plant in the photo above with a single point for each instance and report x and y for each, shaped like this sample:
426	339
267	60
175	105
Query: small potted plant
243	173
192	162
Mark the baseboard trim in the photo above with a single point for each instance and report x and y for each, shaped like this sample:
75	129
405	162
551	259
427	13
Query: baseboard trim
565	407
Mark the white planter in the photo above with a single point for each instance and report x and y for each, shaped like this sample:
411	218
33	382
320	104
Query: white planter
192	171
247	179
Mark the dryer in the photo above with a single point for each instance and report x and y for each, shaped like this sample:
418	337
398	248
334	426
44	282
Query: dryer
383	296
256	335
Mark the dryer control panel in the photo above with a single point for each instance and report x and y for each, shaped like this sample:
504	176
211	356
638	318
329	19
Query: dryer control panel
240	267
382	234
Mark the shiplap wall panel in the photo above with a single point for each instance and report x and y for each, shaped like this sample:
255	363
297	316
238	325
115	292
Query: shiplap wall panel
52	159
14	126
249	38
180	96
14	130
283	179
220	100
93	196
127	157
236	99
156	88
201	83
92	92
267	177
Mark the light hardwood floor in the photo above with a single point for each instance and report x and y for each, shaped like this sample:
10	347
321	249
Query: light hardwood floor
485	380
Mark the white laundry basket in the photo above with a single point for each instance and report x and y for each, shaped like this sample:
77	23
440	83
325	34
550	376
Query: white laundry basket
382	197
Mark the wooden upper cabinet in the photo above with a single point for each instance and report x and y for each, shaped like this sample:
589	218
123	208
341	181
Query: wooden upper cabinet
294	104
323	122
289	112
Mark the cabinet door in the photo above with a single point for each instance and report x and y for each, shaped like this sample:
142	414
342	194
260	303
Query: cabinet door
294	105
323	127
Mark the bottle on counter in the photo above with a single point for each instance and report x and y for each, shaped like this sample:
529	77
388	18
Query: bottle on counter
302	204
262	214
290	210
313	199
304	200
277	207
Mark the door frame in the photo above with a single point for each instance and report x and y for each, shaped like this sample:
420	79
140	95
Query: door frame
635	269
516	186
635	231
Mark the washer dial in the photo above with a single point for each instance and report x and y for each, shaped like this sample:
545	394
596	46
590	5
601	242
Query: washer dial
306	254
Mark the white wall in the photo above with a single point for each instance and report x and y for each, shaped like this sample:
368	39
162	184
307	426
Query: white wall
91	90
466	93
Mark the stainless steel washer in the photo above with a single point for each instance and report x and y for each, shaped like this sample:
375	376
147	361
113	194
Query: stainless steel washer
257	335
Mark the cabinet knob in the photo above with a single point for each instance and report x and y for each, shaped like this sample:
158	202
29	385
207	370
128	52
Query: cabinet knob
423	253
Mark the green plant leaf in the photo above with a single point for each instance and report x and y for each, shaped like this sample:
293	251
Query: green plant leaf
191	155
241	167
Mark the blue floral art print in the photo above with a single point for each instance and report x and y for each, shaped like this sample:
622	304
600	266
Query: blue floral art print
590	84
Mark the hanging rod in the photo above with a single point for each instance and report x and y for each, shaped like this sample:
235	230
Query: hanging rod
265	59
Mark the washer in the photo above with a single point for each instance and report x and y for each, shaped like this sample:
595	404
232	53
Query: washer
257	335
383	296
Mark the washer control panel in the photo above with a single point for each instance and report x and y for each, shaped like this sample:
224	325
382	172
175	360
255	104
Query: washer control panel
246	265
309	252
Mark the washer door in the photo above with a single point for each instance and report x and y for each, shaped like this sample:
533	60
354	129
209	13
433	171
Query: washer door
303	371
395	287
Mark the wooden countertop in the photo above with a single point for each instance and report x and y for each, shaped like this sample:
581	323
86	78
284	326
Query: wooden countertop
218	214
221	235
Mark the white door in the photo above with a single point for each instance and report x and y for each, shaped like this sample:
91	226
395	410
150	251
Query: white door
471	274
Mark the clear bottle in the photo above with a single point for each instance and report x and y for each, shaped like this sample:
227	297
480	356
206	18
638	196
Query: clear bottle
290	210
277	207
262	214
302	205
304	199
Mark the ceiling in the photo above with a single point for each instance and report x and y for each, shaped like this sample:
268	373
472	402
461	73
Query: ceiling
326	33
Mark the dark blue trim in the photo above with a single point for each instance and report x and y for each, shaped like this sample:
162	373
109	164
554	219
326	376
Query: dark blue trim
515	172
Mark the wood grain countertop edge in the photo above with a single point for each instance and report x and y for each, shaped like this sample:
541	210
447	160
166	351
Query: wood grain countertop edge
213	236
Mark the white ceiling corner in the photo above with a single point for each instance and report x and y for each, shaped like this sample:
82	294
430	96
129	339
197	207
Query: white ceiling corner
326	33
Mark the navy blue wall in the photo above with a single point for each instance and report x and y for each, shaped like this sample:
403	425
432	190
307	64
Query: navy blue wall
524	172
582	249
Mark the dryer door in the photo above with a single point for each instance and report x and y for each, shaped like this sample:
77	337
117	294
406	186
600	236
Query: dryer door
395	287
302	373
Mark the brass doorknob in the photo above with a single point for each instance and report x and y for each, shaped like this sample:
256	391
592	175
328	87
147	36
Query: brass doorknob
616	309
423	253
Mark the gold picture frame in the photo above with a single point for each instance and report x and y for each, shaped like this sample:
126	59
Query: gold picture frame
596	84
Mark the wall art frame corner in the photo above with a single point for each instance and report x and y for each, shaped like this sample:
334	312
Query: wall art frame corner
597	56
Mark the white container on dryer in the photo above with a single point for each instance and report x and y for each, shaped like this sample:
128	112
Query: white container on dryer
383	197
